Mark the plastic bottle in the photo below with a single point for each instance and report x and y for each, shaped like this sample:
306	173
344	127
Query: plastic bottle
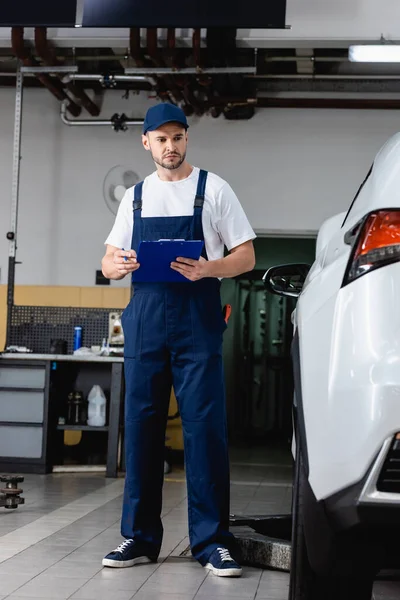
96	407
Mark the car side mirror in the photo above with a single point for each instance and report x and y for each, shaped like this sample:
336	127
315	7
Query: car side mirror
286	280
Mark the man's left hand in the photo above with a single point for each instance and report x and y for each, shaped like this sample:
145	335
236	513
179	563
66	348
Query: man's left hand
191	269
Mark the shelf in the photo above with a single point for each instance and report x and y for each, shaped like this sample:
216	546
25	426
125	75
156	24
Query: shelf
19	424
20	389
80	428
79	468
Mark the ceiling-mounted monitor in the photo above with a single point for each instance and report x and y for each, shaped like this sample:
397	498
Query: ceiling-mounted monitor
38	13
240	14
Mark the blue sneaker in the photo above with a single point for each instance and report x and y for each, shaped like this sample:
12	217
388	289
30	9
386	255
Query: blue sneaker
222	564
127	554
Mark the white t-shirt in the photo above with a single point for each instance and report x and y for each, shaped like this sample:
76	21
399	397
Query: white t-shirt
224	220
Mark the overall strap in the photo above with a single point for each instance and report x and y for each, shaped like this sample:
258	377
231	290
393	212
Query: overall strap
137	202
137	216
201	189
197	222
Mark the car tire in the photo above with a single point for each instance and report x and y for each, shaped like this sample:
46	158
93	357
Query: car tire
305	584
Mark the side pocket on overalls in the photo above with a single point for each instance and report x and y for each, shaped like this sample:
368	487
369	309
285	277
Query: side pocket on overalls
208	326
132	326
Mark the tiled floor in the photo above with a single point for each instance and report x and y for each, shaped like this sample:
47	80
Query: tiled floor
51	548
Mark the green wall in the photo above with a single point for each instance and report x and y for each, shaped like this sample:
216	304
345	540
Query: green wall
269	252
274	251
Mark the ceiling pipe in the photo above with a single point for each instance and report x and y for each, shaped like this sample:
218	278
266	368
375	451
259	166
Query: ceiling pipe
177	95
134	46
181	83
152	47
196	40
171	45
100	77
48	56
118	123
53	85
171	89
136	52
204	81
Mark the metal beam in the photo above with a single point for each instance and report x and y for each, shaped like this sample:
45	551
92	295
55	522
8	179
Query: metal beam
61	69
327	77
16	160
189	71
332	102
328	86
12	234
119	38
79	13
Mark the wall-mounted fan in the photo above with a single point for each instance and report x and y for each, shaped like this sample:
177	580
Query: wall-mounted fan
116	182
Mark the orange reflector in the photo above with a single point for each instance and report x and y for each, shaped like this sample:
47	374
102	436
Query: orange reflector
381	229
227	312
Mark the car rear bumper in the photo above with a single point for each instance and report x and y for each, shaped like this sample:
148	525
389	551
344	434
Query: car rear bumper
356	529
373	501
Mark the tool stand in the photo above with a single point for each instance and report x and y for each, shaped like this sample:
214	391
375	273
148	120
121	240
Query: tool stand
10	494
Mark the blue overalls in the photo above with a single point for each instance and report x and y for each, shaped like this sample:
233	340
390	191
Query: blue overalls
173	337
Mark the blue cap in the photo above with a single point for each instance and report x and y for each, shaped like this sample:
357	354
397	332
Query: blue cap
163	113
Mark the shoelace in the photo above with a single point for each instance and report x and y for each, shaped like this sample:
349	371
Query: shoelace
224	554
123	546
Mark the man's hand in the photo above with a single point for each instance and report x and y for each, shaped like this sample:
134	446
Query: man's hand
191	269
125	262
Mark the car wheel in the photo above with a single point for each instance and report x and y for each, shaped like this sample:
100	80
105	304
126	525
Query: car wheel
305	584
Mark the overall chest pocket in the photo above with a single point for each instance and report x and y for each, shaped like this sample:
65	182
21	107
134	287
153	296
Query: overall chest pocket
158	228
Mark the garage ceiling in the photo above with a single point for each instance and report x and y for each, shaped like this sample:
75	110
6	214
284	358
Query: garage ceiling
213	71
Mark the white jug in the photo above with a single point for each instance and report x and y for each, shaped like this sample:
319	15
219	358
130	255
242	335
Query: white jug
96	407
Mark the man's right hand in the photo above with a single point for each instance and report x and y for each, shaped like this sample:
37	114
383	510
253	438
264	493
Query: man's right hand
125	262
117	263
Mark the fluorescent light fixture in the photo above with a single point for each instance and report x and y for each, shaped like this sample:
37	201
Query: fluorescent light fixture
384	53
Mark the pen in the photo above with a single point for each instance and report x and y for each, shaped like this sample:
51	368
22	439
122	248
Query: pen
125	259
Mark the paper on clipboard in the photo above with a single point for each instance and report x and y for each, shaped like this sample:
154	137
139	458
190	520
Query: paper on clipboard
155	259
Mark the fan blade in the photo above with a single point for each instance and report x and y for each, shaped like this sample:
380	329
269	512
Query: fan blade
130	178
119	192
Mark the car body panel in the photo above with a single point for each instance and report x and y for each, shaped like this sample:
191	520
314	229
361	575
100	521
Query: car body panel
349	338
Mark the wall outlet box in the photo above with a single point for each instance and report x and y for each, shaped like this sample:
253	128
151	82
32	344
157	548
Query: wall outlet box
100	279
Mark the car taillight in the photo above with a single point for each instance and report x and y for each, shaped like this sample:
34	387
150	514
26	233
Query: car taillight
377	244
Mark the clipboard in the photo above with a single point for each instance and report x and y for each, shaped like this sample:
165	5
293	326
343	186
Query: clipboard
155	259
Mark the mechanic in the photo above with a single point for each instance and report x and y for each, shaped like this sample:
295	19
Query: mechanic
173	336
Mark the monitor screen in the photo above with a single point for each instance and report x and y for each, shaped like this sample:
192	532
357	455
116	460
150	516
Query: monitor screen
262	14
37	13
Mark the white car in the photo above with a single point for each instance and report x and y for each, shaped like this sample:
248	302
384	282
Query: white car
346	364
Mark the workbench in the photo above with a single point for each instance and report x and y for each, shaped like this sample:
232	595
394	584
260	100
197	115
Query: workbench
29	390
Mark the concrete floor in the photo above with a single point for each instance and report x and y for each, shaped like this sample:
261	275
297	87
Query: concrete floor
51	548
